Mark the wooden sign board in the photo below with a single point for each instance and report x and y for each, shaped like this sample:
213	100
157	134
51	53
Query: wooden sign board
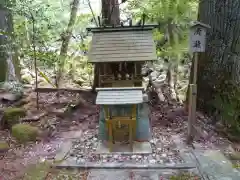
197	38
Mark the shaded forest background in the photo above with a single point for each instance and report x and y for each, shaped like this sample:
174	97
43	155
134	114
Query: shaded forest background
54	34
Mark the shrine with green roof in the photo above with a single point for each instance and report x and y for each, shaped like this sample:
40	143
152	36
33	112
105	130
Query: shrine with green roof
118	54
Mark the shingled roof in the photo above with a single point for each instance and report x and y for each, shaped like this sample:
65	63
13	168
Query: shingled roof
123	44
113	96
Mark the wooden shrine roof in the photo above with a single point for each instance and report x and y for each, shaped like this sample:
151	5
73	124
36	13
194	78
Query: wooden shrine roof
123	44
115	96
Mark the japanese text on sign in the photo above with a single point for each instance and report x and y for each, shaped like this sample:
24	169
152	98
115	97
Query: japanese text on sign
197	39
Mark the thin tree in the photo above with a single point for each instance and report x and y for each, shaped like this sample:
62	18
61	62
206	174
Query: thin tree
66	37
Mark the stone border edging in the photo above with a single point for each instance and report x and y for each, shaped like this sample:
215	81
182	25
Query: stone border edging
70	165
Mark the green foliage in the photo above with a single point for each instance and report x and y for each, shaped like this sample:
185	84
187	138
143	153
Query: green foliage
50	19
24	133
11	116
171	15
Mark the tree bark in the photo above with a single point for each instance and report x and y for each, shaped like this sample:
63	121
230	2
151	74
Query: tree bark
171	73
110	12
220	64
66	37
8	51
3	40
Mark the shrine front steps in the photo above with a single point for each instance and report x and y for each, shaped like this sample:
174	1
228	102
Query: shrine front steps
124	149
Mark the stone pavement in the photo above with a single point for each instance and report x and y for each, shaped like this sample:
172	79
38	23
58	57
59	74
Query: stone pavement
131	174
211	165
215	166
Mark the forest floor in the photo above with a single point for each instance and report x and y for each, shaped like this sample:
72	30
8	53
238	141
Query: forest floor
75	117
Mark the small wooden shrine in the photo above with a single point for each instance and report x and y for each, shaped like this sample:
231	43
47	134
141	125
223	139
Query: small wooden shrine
119	54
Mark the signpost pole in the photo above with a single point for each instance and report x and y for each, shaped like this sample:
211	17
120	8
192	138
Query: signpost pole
192	101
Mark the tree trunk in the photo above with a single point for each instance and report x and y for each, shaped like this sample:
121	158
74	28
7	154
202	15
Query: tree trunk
110	16
110	12
66	39
171	67
220	64
9	62
3	40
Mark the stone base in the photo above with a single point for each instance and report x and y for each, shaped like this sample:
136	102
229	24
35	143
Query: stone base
138	148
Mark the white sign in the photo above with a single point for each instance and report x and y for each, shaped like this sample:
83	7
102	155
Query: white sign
197	39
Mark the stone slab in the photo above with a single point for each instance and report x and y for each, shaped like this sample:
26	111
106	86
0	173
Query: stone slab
142	148
108	175
138	148
64	150
215	165
72	164
131	174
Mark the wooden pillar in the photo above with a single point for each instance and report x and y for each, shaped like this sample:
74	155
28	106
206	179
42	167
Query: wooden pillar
192	102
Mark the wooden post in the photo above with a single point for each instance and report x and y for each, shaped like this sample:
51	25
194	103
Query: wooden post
192	105
197	45
190	122
195	67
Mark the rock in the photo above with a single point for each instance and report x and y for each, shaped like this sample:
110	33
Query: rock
9	96
164	155
154	75
27	78
24	132
153	141
13	87
133	157
88	143
152	161
104	156
120	159
115	156
81	160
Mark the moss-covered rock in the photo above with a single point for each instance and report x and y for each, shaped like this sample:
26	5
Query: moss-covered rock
24	132
3	146
11	116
